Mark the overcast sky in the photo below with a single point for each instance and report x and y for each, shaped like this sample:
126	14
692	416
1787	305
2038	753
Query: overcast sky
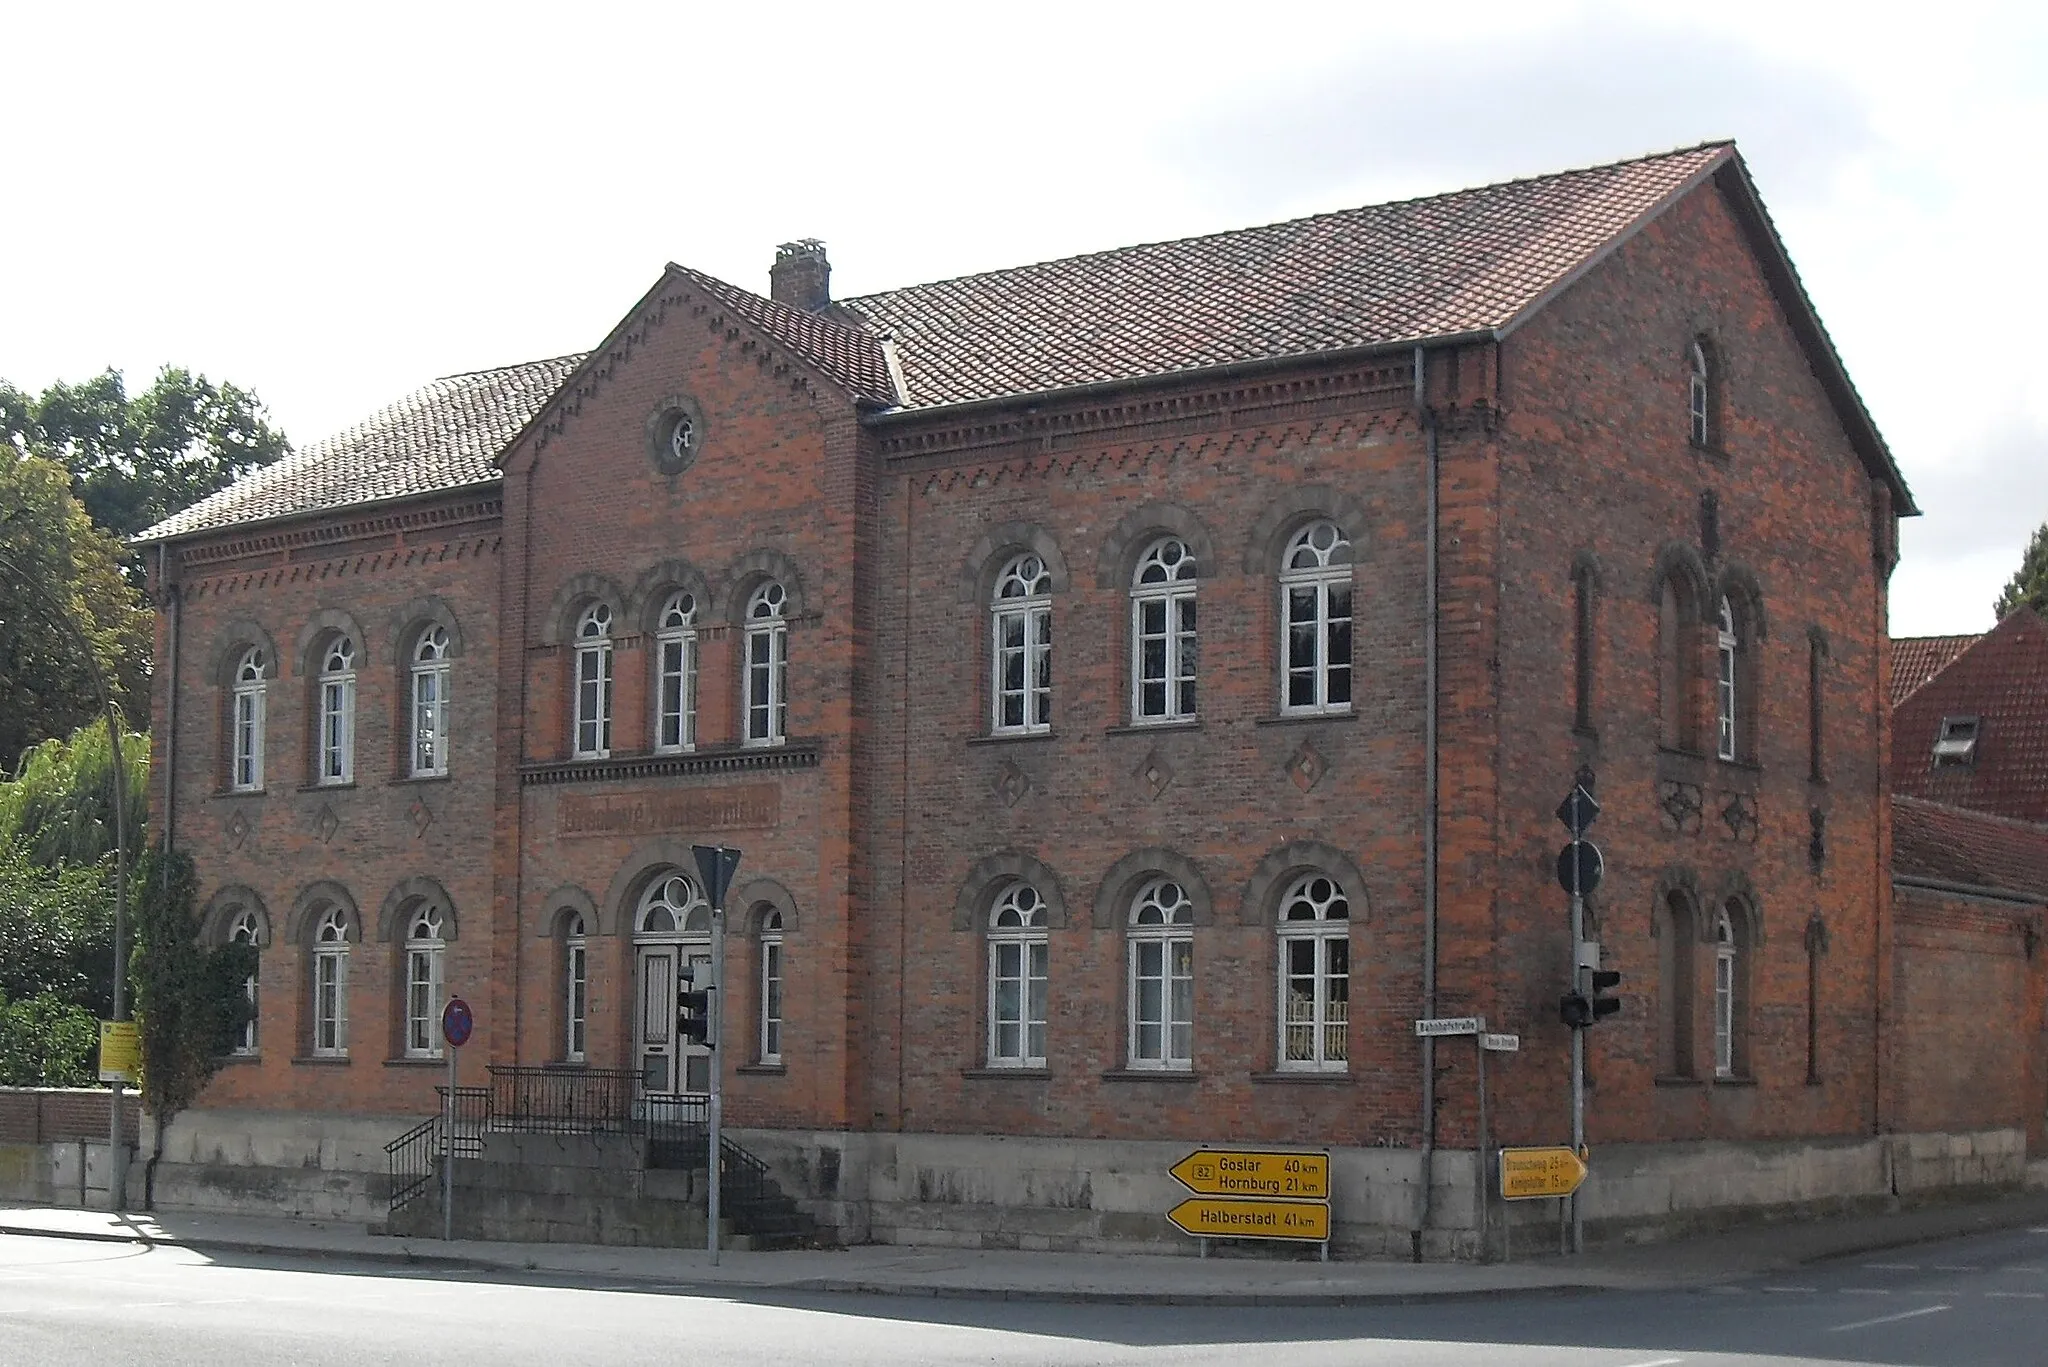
332	206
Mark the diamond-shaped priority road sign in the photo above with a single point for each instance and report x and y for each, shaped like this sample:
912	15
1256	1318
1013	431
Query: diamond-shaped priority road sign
1578	810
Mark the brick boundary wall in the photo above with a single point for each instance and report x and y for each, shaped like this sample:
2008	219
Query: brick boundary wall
46	1115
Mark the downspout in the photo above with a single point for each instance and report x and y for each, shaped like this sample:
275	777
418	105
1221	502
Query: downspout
518	795
1427	417
175	601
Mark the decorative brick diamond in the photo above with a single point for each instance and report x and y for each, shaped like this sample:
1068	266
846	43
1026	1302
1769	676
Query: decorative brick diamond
1682	804
1155	774
1738	813
237	830
1012	784
327	823
421	816
1306	767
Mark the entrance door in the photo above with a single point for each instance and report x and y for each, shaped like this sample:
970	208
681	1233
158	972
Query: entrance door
668	1065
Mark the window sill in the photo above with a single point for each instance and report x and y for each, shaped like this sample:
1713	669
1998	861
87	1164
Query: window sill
763	1069
420	778
416	1062
566	1065
321	1061
1020	1074
1736	1080
1012	737
1675	1080
1147	728
241	792
234	1059
1304	718
328	787
1745	765
1152	1075
1325	1076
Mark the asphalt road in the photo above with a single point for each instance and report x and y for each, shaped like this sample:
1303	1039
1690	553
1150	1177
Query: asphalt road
1979	1302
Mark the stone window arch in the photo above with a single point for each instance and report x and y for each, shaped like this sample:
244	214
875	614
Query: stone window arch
1314	929
1019	955
590	723
1020	650
1159	984
1316	574
764	665
248	717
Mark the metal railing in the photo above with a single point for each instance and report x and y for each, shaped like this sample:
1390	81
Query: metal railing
561	1101
410	1157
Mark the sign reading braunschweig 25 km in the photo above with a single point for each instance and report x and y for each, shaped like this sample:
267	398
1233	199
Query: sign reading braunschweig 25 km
1526	1174
1235	1218
1247	1172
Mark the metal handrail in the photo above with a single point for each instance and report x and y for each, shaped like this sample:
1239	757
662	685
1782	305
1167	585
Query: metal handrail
410	1158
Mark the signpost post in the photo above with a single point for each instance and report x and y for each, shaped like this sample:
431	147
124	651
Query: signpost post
456	1026
1579	869
715	865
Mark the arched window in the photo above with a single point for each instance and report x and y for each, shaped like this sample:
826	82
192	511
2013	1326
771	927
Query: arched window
247	930
1162	977
1677	943
575	987
1163	633
1315	603
1700	394
767	665
337	685
251	687
673	906
1315	976
426	958
593	728
330	984
430	703
1021	656
675	720
771	987
1727	646
1017	953
1678	667
1728	992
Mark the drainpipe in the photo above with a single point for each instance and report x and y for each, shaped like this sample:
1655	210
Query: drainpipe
1427	418
175	602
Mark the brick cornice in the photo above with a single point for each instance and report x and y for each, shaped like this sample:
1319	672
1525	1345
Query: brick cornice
800	754
314	532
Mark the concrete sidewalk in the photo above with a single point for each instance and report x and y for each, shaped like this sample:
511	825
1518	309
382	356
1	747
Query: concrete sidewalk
1125	1278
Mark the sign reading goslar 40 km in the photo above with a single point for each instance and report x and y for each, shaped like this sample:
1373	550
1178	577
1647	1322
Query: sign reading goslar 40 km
1229	1172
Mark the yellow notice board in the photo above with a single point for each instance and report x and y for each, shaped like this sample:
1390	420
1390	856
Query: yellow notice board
1231	1218
120	1051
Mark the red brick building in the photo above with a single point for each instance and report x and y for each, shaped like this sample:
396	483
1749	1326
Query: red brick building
1140	685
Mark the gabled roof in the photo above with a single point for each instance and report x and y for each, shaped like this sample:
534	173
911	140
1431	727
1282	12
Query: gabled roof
2002	680
441	436
1940	844
1916	659
1473	263
1450	265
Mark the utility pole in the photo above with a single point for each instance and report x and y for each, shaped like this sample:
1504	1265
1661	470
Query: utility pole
1579	868
715	865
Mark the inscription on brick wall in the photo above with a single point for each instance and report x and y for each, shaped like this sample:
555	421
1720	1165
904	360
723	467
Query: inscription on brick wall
656	813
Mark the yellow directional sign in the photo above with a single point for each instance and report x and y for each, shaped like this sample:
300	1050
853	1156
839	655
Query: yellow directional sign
1529	1173
120	1051
1236	1219
1247	1172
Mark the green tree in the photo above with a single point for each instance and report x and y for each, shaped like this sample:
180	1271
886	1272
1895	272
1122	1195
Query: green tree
189	998
2029	584
45	1042
61	591
59	806
56	932
136	461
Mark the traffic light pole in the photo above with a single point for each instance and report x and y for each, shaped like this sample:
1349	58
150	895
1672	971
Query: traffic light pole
715	1109
1578	1062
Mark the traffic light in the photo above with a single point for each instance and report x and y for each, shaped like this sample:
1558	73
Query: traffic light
1604	980
1575	1009
693	1009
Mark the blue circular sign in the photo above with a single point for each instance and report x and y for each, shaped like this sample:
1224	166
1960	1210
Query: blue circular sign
457	1022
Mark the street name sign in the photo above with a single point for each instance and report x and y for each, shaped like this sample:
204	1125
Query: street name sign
1450	1025
1225	1218
1245	1172
1501	1044
1526	1174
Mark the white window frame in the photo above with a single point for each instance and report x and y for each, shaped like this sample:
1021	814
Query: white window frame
337	685
1020	648
770	940
1316	604
591	729
1018	961
426	978
1160	982
251	696
1315	914
575	989
1699	395
1163	618
672	911
1727	661
430	677
766	666
248	930
330	984
675	675
1725	950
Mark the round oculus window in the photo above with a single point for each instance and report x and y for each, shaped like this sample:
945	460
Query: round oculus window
675	432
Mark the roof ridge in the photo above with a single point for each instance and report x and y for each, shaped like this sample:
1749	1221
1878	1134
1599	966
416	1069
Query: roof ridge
854	301
1978	813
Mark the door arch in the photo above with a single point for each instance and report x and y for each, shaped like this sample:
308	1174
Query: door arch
671	934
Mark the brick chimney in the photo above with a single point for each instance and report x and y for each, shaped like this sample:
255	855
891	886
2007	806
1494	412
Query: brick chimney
801	276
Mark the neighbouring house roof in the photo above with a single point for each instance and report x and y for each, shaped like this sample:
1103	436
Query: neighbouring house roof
1936	843
1916	659
443	435
1470	263
2000	680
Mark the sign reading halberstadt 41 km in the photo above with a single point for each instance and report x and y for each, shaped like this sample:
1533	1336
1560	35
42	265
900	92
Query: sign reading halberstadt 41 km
1235	1219
1244	1172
